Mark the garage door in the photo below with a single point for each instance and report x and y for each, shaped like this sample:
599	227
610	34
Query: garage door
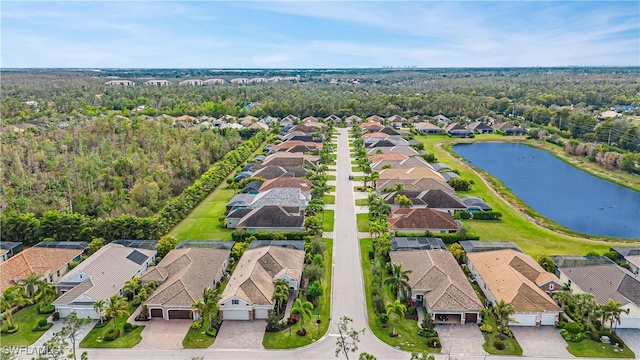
470	318
548	319
180	314
156	313
629	322
64	311
524	320
262	313
235	315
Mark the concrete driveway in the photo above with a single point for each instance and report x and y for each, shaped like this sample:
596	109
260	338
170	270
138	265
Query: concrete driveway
460	340
163	334
631	337
543	341
240	335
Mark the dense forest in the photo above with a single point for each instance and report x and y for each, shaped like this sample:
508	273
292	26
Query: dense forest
105	167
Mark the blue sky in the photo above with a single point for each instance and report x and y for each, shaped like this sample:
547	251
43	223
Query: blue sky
258	34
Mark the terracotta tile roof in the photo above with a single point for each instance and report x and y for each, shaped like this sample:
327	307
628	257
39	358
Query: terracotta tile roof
292	143
423	218
376	134
183	274
427	126
287	182
371	125
374	118
258	269
515	278
394	156
42	261
438	274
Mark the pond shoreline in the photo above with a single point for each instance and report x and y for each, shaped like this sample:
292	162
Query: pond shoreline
508	197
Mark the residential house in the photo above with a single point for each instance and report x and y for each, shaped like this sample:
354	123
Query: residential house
371	126
286	159
457	130
390	156
450	175
9	249
259	126
270	218
436	199
247	120
157	82
375	118
404	150
353	119
397	121
414	184
473	246
297	146
248	295
438	284
269	120
389	141
252	187
310	119
408	163
516	278
480	128
121	82
428	128
442	120
183	274
51	263
474	203
605	280
418	118
99	277
629	256
274	171
333	118
239	81
278	196
421	220
509	129
375	135
309	128
411	173
390	131
439	167
609	114
287	182
197	82
416	243
288	120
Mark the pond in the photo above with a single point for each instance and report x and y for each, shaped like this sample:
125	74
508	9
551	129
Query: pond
567	195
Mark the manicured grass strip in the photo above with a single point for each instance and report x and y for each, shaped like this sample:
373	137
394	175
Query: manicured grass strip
511	345
329	199
355	168
363	222
533	239
331	177
362	202
197	338
125	340
26	319
408	329
358	178
590	348
282	339
327	220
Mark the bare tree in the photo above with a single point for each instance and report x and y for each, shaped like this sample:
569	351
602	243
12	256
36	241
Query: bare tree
348	338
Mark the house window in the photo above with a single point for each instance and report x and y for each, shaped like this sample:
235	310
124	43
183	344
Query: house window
235	302
58	272
550	286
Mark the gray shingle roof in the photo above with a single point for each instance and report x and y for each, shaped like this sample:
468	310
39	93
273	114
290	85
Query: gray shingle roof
605	281
272	217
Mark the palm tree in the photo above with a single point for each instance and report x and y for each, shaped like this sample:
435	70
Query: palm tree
302	309
280	294
563	298
503	312
587	306
11	296
375	176
210	296
31	284
199	307
131	287
98	306
47	292
117	306
395	309
375	229
399	279
611	311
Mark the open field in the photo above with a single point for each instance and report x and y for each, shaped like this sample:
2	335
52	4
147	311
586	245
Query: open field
514	226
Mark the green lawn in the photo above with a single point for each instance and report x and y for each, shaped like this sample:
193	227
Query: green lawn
26	319
363	222
511	344
514	226
329	199
362	202
331	177
327	220
282	339
406	328
125	340
590	348
355	168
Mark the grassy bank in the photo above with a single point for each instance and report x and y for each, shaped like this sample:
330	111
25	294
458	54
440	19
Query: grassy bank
26	319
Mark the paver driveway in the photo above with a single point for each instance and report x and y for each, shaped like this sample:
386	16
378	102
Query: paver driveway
240	335
163	334
631	337
461	339
544	341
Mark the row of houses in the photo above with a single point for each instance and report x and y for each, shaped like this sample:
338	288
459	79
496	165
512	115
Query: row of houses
403	172
206	82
